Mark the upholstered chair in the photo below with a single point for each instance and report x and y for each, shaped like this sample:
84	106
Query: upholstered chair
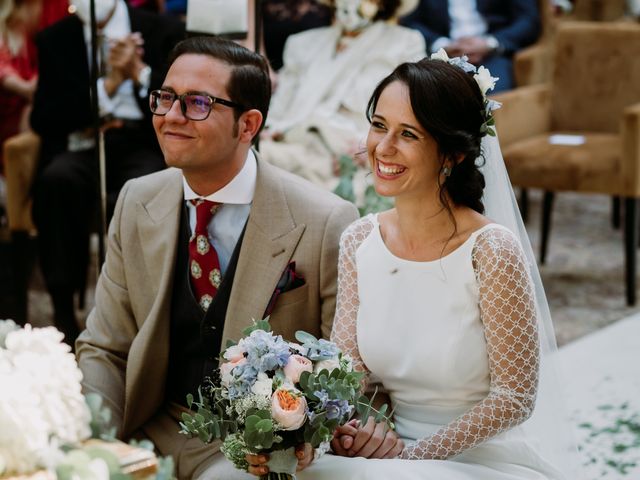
594	93
598	10
20	154
532	65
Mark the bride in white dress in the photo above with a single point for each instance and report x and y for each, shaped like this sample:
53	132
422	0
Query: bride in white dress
437	301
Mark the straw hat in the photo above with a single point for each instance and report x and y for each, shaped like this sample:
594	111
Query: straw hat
405	7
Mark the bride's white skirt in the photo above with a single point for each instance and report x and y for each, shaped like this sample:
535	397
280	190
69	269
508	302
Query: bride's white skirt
331	467
508	456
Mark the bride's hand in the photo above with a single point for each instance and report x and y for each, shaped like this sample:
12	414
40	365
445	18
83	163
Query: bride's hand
373	440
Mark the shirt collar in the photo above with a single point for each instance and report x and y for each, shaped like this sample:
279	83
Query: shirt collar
238	191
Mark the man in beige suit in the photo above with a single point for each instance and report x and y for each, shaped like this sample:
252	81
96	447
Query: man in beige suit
153	336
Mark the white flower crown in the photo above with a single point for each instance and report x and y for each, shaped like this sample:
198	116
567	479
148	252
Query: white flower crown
485	82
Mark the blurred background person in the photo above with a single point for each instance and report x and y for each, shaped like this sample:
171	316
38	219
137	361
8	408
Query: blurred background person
52	11
18	65
489	32
282	18
133	51
316	113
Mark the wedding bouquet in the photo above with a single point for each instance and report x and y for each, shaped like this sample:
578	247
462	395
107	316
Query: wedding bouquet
270	395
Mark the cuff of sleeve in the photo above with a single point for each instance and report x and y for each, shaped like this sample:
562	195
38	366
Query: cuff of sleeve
144	80
493	43
323	448
439	43
104	101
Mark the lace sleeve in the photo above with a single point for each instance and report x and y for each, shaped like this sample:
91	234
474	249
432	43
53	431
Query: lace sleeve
344	332
508	313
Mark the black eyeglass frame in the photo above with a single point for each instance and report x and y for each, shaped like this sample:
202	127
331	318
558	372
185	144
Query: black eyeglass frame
183	106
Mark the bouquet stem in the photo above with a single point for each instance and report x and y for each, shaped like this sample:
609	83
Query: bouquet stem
277	476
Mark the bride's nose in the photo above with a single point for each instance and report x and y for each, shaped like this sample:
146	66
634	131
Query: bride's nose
386	146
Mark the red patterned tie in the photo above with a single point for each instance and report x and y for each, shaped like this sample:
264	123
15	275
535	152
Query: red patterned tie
203	258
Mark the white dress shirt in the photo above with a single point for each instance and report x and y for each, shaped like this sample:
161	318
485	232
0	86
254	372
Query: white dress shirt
466	21
226	225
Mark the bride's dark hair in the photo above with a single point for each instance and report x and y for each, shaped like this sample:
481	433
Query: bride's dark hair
448	104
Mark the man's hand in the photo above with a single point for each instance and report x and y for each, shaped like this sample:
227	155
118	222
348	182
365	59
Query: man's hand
112	81
258	463
476	48
373	440
125	56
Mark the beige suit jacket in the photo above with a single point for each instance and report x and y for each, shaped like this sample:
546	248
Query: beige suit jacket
124	351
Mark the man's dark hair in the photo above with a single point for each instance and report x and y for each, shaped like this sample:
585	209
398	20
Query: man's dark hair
249	85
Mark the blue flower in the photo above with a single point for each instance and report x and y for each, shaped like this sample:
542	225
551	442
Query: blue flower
322	396
334	408
338	409
321	350
243	378
463	63
266	351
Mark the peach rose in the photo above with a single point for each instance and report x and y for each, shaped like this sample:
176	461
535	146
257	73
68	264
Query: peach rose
295	366
288	408
227	367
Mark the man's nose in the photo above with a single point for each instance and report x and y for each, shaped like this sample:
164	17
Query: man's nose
175	112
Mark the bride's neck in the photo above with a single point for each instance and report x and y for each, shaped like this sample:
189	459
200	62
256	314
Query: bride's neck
425	219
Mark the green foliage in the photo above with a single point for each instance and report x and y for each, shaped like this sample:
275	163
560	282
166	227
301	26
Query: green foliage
365	409
166	468
76	465
347	170
257	325
100	423
258	433
210	420
373	203
234	448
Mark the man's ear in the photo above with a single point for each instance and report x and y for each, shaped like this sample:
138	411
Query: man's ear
249	124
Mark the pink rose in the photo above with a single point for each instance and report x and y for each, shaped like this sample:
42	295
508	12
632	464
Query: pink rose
227	367
295	366
288	408
234	353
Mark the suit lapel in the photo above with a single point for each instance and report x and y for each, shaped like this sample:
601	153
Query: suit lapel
269	242
158	222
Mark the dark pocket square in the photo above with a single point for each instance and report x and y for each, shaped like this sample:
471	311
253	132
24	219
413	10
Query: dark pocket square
290	280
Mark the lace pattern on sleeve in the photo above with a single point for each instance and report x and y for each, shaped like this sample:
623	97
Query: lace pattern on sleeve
344	332
508	313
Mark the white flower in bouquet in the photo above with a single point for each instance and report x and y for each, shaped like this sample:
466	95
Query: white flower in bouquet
41	403
329	364
263	385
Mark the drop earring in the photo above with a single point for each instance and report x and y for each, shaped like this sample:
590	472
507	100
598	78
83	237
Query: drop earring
446	171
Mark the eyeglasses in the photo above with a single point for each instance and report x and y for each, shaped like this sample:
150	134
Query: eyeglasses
194	106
